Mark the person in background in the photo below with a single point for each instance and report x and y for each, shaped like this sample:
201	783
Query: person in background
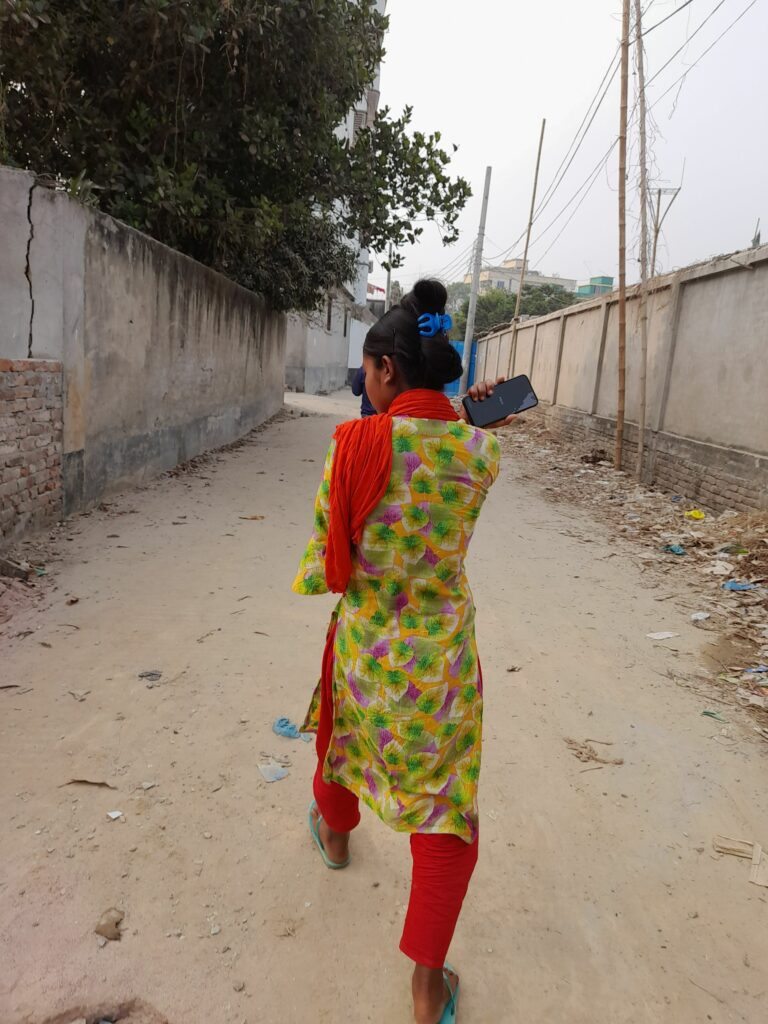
398	709
358	389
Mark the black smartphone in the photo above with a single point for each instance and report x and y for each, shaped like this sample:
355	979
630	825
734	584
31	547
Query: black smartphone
513	396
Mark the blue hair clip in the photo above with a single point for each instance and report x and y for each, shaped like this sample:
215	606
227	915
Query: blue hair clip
431	324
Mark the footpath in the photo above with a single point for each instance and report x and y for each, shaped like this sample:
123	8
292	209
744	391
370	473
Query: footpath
144	677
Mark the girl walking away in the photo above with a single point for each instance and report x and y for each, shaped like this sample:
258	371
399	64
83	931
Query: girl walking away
398	709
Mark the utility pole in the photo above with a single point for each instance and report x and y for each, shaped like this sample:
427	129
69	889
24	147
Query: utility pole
388	293
620	407
640	57
658	219
470	331
530	224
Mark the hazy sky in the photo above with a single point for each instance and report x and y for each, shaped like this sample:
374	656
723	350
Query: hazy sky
485	73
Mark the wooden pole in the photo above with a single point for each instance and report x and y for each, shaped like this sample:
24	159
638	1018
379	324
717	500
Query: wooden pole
469	333
643	298
659	220
622	375
656	230
530	224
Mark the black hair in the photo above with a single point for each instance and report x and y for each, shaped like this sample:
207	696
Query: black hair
423	362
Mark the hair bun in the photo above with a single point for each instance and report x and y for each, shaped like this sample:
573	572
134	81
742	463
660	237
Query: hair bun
430	295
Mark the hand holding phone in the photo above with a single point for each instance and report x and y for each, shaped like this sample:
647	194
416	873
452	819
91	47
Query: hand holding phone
492	405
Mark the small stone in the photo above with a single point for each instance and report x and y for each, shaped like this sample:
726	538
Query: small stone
239	986
101	942
216	930
207	835
175	934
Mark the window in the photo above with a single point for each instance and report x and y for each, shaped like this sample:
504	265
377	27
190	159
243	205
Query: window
501	285
329	315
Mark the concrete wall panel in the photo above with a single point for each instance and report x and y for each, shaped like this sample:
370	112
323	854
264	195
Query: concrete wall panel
578	366
719	381
524	350
545	359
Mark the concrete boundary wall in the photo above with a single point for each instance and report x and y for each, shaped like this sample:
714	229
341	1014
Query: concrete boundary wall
162	358
707	377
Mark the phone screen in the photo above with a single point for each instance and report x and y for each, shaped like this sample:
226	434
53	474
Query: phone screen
513	396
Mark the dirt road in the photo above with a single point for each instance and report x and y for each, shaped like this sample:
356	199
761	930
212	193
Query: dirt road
597	899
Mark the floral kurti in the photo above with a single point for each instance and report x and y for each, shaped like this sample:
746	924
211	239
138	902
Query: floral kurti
407	691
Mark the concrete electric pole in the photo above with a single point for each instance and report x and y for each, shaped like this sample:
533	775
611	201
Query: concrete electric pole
640	58
622	375
470	331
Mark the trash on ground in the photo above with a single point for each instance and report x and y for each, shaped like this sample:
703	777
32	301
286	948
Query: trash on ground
757	669
732	549
79	695
285	727
15	570
596	456
700	616
114	815
271	771
674	549
749	851
716	715
109	924
515	668
586	752
88	782
738	586
151	675
696	514
718	568
662	636
753	700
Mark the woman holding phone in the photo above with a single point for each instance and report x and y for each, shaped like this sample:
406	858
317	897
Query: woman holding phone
398	710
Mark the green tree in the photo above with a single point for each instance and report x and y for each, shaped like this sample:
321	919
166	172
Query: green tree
496	307
212	126
458	293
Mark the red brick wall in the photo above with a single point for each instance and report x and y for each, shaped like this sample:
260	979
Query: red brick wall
30	444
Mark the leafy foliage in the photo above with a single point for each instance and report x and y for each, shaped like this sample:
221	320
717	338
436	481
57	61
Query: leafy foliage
496	307
213	126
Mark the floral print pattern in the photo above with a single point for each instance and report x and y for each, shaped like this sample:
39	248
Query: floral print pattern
407	686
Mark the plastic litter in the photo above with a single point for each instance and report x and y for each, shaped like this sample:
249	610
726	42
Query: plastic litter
285	727
271	771
700	616
662	636
695	513
757	668
674	549
738	587
716	715
114	815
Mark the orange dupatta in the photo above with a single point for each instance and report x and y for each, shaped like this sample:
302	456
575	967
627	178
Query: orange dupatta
362	466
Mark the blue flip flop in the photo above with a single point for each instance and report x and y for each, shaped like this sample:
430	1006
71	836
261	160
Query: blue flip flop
315	831
449	1013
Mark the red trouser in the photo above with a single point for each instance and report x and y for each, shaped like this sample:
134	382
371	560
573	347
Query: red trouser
442	864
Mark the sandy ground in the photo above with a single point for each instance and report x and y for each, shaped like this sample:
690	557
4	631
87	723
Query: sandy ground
597	899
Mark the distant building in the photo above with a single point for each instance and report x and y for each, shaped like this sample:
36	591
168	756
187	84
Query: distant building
506	277
595	286
376	300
